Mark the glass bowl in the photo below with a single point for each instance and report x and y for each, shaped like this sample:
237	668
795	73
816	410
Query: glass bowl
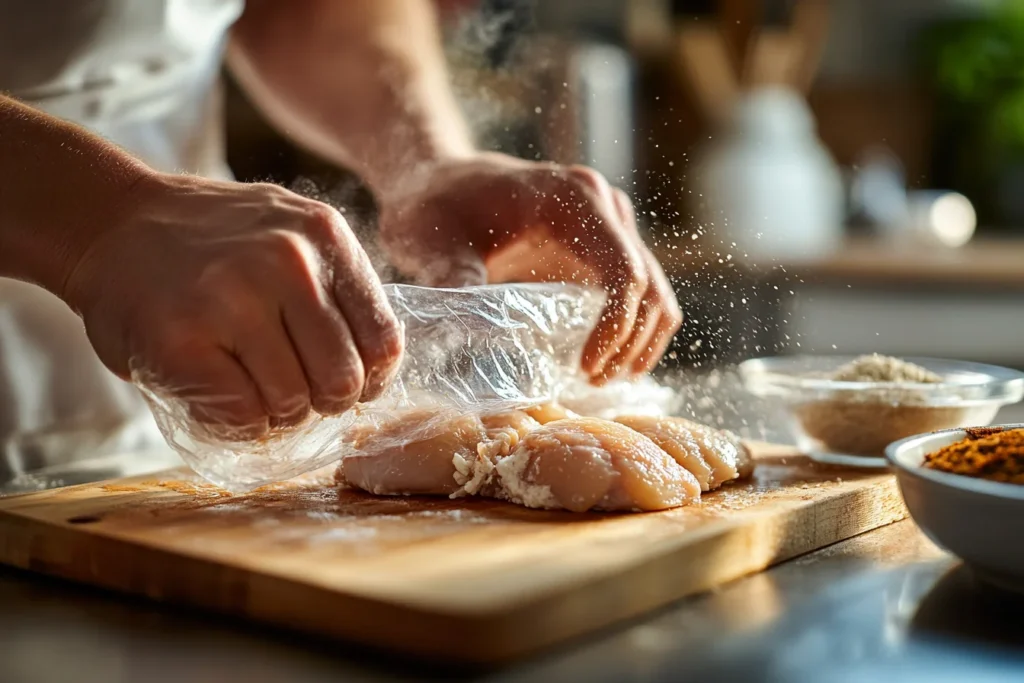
851	423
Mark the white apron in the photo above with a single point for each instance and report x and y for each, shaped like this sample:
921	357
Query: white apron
144	74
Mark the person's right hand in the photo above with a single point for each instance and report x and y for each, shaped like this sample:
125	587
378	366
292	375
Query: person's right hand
251	303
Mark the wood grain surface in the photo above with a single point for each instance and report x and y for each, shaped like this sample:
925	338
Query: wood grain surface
466	580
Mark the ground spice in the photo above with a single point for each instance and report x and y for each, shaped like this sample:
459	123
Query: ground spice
878	368
862	426
984	453
865	421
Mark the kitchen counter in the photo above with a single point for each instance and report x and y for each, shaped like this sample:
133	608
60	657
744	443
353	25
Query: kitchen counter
888	602
982	263
868	297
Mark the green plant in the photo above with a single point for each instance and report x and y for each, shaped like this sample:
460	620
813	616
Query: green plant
977	69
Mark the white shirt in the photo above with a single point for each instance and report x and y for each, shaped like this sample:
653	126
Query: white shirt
145	75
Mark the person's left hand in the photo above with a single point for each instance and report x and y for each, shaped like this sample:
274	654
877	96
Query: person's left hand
491	217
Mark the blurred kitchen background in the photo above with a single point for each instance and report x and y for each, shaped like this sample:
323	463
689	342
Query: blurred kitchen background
815	175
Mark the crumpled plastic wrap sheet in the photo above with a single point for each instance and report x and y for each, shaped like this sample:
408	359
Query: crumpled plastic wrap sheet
475	350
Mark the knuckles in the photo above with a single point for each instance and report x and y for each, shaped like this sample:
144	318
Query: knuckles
323	224
633	276
248	275
291	253
586	178
673	317
274	196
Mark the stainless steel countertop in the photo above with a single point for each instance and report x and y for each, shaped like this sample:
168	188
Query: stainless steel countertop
887	605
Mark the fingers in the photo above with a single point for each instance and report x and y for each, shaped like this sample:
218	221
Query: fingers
270	360
669	322
647	320
330	358
276	316
648	312
589	224
219	393
371	325
658	317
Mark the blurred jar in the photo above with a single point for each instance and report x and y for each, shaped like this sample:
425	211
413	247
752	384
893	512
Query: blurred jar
914	219
939	218
768	184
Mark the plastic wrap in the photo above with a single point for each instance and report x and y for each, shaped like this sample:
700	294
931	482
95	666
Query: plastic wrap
473	350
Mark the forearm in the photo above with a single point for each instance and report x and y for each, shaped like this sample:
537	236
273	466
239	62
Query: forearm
59	187
363	82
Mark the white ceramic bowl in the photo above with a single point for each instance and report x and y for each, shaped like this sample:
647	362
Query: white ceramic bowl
980	521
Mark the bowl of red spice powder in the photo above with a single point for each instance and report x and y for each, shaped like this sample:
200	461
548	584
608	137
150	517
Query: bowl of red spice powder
965	489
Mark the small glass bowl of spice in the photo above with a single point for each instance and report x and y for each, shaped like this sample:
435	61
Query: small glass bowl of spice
845	410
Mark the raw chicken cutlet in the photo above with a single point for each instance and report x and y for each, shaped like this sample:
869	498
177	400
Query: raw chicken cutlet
575	463
713	456
582	464
430	453
545	456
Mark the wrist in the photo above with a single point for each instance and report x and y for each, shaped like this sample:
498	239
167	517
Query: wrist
412	174
110	215
413	127
59	187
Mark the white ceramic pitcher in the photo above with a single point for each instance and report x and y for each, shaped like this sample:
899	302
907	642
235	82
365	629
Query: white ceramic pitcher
769	184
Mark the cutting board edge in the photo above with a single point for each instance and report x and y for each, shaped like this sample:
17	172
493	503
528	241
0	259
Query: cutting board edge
384	616
667	547
880	490
488	637
886	496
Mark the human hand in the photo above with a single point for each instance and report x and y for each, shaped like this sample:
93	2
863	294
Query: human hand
251	303
491	217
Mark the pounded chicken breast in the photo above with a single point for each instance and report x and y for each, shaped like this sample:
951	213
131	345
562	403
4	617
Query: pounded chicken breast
584	464
572	463
713	456
424	452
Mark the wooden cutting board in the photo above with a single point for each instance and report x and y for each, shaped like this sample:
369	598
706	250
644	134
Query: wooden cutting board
466	580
